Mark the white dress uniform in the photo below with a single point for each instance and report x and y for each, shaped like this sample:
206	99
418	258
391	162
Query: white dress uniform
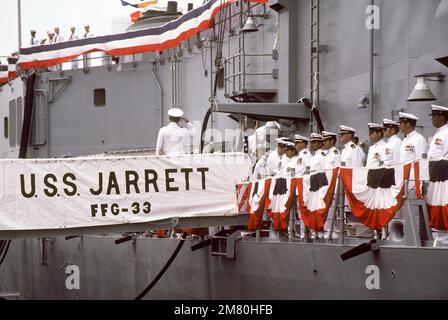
303	160
273	165
332	159
34	42
261	168
318	160
438	148
413	147
391	151
351	154
375	154
170	141
87	61
288	166
75	62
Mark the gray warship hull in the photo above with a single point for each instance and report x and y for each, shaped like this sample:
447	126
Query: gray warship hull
111	108
263	270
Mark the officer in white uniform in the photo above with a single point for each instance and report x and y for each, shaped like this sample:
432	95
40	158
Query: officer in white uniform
87	34
332	157
304	155
317	161
438	148
288	162
33	41
57	37
414	145
352	155
376	150
391	151
261	168
170	141
273	162
73	36
50	34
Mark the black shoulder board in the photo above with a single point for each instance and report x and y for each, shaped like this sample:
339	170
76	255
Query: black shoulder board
323	153
353	146
336	152
304	152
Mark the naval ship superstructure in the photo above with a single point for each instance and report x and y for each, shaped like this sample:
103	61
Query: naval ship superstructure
356	61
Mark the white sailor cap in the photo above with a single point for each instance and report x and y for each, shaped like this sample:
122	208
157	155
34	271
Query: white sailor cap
281	141
390	123
299	138
345	129
315	137
438	110
175	113
407	116
328	135
375	126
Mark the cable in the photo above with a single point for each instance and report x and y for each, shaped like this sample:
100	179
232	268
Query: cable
5	252
164	269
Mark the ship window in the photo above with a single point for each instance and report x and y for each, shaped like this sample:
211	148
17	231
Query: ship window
5	127
99	97
19	119
12	123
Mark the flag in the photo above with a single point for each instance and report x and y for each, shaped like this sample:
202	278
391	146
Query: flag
315	196
154	39
436	173
375	195
257	192
139	5
242	192
279	201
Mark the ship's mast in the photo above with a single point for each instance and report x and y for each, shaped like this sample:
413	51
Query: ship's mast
19	21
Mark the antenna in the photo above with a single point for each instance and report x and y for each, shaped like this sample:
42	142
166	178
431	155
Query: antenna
19	21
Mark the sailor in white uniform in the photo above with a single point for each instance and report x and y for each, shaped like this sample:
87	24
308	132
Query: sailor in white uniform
391	151
438	148
332	160
332	157
317	161
273	162
414	145
376	150
304	155
352	155
87	56
170	141
57	36
33	40
73	36
288	162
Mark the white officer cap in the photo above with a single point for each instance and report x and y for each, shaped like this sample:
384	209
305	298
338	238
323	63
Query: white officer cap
281	141
328	135
315	137
288	143
33	30
299	138
50	32
175	113
345	129
375	126
438	110
72	27
390	123
56	27
87	25
407	116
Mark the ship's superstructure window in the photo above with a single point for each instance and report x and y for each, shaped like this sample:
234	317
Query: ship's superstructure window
99	97
19	119
5	127
12	124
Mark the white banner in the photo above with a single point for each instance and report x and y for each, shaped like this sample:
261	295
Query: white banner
86	192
